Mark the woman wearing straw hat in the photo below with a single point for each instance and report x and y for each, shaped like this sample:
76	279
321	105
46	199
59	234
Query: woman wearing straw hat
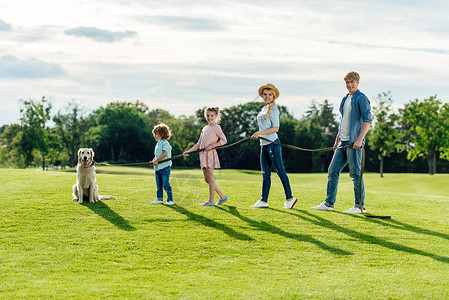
270	152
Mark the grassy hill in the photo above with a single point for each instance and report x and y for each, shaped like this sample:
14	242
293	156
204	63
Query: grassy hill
52	247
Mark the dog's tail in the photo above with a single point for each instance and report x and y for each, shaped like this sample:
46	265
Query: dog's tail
106	197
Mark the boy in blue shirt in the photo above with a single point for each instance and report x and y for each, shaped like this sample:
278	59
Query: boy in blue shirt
355	123
162	134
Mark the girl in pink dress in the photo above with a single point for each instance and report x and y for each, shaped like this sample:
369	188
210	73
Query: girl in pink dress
211	136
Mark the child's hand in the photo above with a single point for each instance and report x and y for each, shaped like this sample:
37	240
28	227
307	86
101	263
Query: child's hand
185	154
209	148
154	163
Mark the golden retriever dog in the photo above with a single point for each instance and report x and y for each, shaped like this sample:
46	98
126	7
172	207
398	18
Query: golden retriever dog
85	186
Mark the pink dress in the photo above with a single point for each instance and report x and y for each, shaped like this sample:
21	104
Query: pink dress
210	135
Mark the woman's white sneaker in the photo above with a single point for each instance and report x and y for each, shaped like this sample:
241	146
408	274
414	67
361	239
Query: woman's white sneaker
260	204
290	203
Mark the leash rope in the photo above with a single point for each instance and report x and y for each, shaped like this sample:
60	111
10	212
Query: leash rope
362	167
179	155
304	149
227	146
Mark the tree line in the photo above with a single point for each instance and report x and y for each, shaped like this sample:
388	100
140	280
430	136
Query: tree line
415	139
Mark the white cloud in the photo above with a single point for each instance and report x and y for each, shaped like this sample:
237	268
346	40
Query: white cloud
12	68
184	23
183	55
5	26
100	35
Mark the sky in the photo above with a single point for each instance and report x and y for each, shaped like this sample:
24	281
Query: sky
184	55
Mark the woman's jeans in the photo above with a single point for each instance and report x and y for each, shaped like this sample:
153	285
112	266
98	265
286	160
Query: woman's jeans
343	156
163	182
270	155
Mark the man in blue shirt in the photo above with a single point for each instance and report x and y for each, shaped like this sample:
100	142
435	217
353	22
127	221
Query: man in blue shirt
355	123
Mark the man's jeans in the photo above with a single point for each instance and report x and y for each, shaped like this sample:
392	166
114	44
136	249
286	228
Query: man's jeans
270	155
343	156
163	182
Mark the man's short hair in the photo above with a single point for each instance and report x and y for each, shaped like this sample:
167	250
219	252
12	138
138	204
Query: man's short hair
352	75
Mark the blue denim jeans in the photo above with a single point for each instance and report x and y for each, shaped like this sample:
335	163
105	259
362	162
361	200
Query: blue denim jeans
163	182
271	155
342	157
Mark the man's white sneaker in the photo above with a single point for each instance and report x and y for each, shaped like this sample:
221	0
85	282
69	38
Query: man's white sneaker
169	203
290	203
260	204
354	210
157	202
323	206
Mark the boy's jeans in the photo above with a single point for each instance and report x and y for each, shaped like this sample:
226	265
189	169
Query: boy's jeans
343	156
271	155
163	182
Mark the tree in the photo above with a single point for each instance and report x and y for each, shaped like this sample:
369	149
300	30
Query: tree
326	119
385	138
34	134
122	132
428	121
317	129
9	151
71	128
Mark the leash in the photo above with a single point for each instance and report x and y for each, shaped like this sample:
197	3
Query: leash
362	167
227	146
304	149
177	156
360	191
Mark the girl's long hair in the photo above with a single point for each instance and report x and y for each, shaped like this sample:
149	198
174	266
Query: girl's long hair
270	106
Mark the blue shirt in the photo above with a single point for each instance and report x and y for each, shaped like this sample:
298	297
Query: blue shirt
161	146
273	121
360	112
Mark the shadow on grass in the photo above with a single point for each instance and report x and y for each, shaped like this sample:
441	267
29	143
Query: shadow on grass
250	172
108	214
371	239
263	226
211	223
407	227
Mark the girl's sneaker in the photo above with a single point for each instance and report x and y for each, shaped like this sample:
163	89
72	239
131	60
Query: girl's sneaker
225	198
207	203
169	203
157	202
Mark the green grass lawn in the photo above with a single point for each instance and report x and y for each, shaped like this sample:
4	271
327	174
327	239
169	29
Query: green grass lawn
53	247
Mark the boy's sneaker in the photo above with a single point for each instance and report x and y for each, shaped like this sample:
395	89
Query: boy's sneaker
157	202
260	204
221	201
169	203
323	206
207	203
290	203
354	210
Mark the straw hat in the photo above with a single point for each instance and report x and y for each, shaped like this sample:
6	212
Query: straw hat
271	87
